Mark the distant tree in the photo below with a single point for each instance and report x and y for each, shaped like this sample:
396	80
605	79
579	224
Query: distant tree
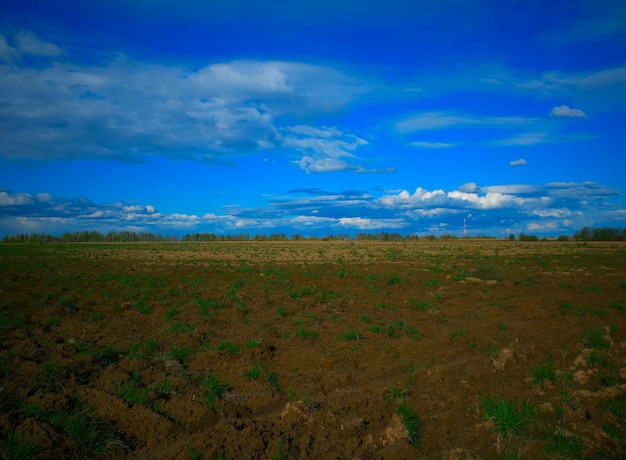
524	237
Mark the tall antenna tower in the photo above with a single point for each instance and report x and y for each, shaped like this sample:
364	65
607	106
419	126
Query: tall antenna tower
465	227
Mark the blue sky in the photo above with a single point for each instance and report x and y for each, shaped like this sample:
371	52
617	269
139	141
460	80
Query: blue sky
313	117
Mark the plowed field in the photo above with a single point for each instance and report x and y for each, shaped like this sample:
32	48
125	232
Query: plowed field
444	349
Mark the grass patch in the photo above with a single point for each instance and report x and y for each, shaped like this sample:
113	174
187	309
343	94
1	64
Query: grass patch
181	354
81	428
596	359
147	349
616	406
594	338
394	279
351	336
96	318
216	389
411	422
272	379
396	394
458	333
130	391
107	356
229	348
254	372
15	447
306	333
508	417
542	373
420	304
562	446
50	375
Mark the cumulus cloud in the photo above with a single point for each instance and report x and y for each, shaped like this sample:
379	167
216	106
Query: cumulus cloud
124	110
455	199
469	187
18	199
520	162
494	210
324	149
567	112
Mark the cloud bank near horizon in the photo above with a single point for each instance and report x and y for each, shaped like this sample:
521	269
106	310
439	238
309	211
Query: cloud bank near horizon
553	208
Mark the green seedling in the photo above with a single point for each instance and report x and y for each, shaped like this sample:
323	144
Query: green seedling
254	372
351	336
216	389
181	354
458	333
307	334
252	343
229	348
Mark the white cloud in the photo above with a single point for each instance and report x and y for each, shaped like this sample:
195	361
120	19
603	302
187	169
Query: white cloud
313	131
566	111
491	200
45	197
494	210
29	43
126	109
553	212
133	209
519	162
524	139
469	187
7	53
432	145
453	199
438	120
18	199
511	189
372	224
331	144
542	226
431	120
322	165
605	87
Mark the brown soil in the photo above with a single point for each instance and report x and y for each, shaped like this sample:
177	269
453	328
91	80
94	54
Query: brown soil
319	346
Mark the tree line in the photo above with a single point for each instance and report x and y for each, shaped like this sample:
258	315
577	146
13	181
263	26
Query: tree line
585	234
